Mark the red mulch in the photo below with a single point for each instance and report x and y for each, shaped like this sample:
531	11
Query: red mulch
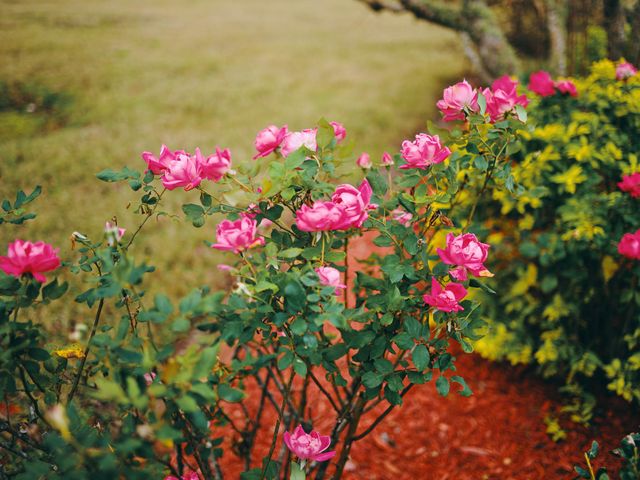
498	433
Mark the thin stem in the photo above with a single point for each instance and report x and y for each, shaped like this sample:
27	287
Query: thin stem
94	329
323	390
593	476
277	427
33	401
149	215
381	417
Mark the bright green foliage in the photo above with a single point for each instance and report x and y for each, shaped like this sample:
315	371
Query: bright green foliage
628	452
569	302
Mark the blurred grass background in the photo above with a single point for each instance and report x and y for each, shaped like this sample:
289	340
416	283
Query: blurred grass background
87	85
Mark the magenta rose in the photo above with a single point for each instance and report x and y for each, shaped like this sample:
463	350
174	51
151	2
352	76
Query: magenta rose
424	151
294	140
625	70
503	97
567	87
467	253
541	83
308	446
322	216
269	139
215	166
354	203
629	245
402	217
330	277
339	131
184	171
238	235
364	161
447	299
26	257
457	99
161	163
387	159
186	476
631	184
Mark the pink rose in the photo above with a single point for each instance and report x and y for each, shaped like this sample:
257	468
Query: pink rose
322	216
186	476
238	235
308	446
541	83
214	166
330	277
505	83
339	131
269	139
26	257
567	87
354	203
294	140
160	164
629	245
424	151
631	184
184	171
457	99
625	70
364	161
387	159
446	299
402	217
113	232
467	253
503	97
223	267
149	377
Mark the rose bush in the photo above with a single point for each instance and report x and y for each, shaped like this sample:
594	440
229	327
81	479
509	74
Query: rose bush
160	382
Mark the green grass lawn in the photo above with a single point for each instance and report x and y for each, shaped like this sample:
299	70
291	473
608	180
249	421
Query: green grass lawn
135	74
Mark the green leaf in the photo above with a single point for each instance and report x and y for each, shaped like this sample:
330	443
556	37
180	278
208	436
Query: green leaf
466	391
187	404
593	451
482	103
230	394
300	367
290	253
421	357
378	182
295	159
442	386
372	379
325	133
54	290
297	473
521	113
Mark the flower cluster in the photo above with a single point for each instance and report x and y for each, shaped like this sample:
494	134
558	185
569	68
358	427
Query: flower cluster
181	169
542	84
273	138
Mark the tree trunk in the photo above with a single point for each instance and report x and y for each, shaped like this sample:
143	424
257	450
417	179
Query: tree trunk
633	50
557	26
614	21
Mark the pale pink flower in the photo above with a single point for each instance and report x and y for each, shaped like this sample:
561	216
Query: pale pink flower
269	139
214	166
113	232
625	70
308	446
567	87
629	245
160	164
364	161
424	151
447	299
354	203
387	160
330	277
149	377
238	235
26	257
339	131
294	140
457	99
541	83
184	171
467	253
223	267
402	217
322	216
631	184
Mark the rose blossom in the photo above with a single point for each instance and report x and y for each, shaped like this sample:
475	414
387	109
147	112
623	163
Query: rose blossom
631	184
445	300
402	217
269	139
567	87
364	161
322	216
184	171
387	159
425	150
456	99
629	245
238	235
467	253
113	232
625	70
160	164
26	257
186	476
294	140
503	97
354	203
308	446
541	83
214	166
339	131
330	277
